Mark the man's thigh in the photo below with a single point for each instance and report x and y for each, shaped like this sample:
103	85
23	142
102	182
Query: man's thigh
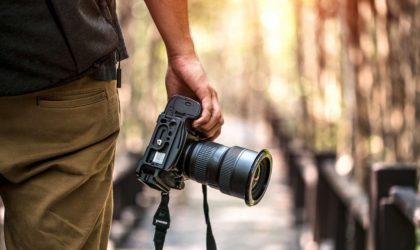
56	157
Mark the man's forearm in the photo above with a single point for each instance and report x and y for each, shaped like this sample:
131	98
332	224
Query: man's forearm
171	19
185	75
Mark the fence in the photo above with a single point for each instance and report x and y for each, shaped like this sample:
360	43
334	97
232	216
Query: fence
338	210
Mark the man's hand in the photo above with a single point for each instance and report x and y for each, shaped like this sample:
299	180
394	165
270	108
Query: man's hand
185	76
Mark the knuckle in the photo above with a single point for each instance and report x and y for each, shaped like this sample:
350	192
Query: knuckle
207	128
205	119
221	120
216	134
205	115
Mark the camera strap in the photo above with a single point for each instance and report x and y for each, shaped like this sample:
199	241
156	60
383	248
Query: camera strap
162	220
210	242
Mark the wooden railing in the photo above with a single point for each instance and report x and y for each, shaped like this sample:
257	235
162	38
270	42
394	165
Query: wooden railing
393	206
338	210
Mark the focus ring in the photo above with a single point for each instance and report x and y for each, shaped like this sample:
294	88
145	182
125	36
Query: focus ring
227	168
200	168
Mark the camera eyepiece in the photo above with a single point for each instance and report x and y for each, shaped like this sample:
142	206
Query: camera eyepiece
235	171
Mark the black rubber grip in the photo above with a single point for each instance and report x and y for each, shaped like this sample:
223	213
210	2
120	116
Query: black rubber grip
227	168
200	167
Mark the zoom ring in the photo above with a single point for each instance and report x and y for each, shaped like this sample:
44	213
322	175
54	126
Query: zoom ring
227	169
199	171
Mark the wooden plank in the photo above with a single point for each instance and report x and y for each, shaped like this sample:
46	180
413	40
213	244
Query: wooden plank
383	177
326	203
396	232
408	202
351	194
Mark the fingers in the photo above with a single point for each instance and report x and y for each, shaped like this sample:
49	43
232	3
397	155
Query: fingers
206	99
211	120
186	77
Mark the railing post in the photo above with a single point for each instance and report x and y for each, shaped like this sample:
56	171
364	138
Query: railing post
335	216
359	236
297	184
396	231
341	225
383	177
325	207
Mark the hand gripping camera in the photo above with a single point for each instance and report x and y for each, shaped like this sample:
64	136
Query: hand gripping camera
176	153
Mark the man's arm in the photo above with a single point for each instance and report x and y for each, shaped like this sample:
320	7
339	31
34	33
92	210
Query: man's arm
185	75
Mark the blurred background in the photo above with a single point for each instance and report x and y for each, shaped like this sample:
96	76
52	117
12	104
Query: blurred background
339	76
246	47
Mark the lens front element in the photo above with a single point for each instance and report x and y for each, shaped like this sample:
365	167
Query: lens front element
260	178
234	171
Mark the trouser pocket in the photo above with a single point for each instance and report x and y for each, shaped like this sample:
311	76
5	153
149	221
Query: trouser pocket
72	100
56	122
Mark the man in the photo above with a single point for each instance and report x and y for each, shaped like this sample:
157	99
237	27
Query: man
59	114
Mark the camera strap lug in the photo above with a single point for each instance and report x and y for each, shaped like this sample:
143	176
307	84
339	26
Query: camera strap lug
119	71
161	220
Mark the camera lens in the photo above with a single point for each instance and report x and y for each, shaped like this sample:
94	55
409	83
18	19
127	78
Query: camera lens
235	171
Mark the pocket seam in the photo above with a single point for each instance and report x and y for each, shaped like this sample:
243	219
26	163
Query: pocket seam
74	100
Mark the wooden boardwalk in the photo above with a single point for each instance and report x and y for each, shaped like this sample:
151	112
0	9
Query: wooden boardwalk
267	226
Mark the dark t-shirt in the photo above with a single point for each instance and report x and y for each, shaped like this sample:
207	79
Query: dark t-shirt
106	71
48	43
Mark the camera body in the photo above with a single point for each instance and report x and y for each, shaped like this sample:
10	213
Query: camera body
176	152
160	167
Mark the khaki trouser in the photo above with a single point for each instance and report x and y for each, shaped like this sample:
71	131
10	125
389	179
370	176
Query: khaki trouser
57	150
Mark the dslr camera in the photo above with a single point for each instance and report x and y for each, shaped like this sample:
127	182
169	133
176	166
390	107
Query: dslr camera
177	153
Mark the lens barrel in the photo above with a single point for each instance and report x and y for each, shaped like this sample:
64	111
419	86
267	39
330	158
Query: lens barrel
235	171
